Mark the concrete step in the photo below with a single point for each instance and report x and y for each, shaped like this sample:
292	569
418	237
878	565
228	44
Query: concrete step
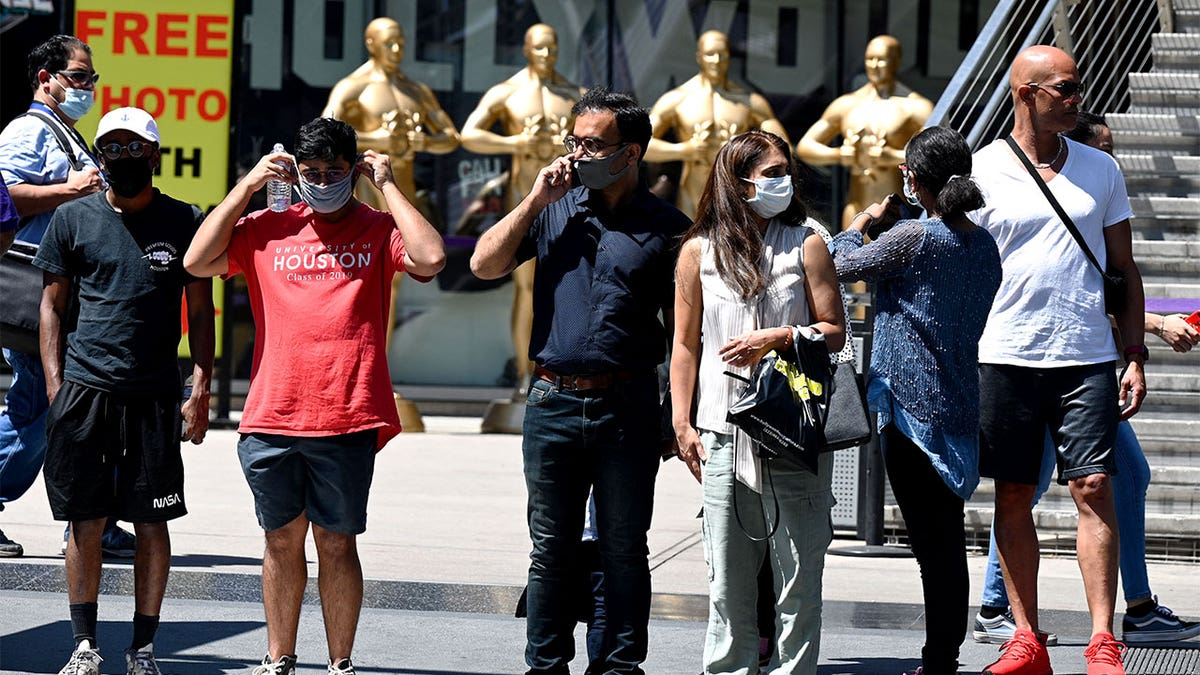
1164	82
979	518
1184	124
1163	186
1189	288
1168	401
1179	133
1166	218
1157	165
1187	20
1164	377
1164	89
1166	249
1175	51
1167	269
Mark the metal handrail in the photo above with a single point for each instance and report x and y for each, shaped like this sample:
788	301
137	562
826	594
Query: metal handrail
1108	40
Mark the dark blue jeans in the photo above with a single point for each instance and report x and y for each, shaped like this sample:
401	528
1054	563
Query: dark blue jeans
606	440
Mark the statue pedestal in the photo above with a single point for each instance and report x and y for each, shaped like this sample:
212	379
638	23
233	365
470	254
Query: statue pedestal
410	417
503	416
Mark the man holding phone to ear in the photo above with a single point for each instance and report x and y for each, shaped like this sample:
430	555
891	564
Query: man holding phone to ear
605	254
319	276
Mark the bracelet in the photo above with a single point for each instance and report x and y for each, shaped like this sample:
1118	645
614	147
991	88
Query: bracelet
870	218
1162	325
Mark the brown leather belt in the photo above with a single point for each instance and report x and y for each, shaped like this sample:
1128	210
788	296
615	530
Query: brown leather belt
583	382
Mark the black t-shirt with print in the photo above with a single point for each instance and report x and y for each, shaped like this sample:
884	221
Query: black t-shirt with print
128	270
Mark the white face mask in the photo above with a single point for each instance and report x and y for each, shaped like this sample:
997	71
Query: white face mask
77	102
910	193
772	196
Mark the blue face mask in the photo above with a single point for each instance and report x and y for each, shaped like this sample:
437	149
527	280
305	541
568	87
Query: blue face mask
327	198
772	196
78	101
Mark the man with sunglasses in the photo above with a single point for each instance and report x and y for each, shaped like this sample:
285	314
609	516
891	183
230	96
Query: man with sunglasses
1047	355
605	251
113	429
320	403
45	163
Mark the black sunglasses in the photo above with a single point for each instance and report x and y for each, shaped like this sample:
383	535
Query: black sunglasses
136	149
80	77
1065	89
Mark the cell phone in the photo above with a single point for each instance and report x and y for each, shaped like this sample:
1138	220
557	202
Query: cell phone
1193	319
897	210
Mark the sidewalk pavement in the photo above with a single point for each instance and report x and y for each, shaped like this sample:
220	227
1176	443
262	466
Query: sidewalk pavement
446	552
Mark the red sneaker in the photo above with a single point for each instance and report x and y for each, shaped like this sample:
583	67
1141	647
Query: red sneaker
1103	655
1024	654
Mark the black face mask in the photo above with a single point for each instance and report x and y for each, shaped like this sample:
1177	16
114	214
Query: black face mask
128	177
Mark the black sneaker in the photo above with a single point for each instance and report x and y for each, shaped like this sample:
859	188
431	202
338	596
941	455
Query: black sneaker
10	548
343	667
1159	625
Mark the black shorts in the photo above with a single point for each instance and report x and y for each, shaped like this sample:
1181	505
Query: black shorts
1017	405
114	455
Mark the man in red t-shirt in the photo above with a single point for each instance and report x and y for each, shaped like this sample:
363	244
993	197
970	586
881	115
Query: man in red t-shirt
320	402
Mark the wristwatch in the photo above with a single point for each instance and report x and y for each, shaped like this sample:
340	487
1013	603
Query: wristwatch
1134	351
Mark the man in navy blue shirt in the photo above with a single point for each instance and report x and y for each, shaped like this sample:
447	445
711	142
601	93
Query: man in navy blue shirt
605	258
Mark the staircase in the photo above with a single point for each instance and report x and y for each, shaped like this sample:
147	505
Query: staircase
1158	146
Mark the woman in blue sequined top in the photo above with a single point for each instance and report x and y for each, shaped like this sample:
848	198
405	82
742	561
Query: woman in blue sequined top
935	281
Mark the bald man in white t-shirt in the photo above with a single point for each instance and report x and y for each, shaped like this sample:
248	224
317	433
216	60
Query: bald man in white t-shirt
1047	355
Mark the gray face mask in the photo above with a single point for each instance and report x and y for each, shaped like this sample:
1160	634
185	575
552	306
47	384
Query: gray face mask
327	198
594	171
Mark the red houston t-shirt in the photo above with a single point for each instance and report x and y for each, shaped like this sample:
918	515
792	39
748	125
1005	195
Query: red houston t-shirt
319	291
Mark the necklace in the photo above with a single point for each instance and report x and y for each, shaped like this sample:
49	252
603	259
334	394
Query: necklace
1061	146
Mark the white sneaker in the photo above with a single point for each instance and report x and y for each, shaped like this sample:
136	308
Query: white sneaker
343	667
286	665
84	661
141	661
1000	629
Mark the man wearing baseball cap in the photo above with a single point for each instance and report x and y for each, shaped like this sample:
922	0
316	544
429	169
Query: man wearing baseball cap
114	426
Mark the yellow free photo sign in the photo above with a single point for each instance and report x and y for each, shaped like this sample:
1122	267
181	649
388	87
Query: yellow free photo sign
173	59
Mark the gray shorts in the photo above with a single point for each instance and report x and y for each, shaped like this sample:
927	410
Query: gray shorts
1078	404
325	477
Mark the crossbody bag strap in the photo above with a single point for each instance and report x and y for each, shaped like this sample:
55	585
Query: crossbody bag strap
64	143
1066	220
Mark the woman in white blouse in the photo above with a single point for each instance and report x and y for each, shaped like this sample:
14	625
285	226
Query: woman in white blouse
752	275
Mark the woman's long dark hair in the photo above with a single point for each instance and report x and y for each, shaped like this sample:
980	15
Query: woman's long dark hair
724	217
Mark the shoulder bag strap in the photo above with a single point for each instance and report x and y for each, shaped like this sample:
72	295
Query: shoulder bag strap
1066	220
63	143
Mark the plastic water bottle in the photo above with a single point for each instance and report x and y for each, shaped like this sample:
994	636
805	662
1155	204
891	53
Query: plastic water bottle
279	192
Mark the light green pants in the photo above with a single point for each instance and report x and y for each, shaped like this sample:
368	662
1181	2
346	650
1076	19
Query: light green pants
797	554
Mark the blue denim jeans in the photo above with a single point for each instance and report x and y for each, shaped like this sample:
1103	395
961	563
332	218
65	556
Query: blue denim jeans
606	440
22	426
1129	498
796	551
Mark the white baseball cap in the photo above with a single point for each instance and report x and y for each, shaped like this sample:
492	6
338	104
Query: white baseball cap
129	119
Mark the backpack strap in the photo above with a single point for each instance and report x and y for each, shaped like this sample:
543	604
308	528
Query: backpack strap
63	143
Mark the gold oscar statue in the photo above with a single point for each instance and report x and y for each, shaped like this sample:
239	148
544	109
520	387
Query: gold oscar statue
397	116
533	112
875	124
704	113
